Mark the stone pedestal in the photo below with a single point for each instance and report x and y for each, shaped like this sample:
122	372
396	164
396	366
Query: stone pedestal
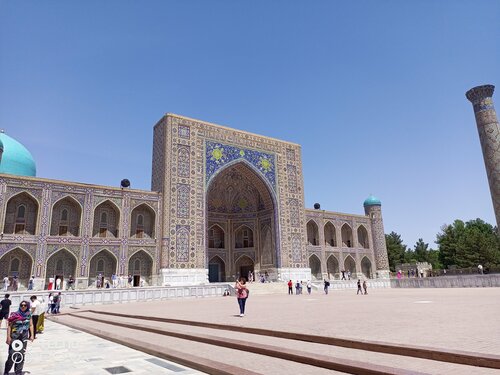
196	276
294	274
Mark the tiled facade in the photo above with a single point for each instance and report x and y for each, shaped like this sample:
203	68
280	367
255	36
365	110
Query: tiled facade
223	202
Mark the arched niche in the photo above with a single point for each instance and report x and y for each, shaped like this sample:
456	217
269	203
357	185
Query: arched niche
346	233
243	237
350	264
363	237
106	220
216	237
330	235
103	264
312	233
142	222
332	267
315	265
140	267
366	267
21	215
17	262
66	218
60	264
216	270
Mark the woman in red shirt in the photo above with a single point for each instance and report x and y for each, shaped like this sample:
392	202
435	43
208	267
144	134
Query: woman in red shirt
241	294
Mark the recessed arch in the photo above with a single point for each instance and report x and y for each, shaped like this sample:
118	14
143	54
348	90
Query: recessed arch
66	217
366	267
346	233
216	237
315	265
216	269
243	237
330	234
109	261
312	233
140	267
363	237
142	222
244	265
332	267
17	262
21	215
62	264
106	220
350	264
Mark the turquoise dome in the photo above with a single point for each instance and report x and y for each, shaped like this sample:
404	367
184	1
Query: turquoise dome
372	201
15	158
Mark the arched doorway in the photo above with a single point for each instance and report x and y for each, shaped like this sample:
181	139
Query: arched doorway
61	264
106	220
66	216
140	267
21	215
350	265
315	265
216	270
142	222
346	233
312	233
103	265
363	237
244	265
241	222
17	262
332	266
330	235
366	267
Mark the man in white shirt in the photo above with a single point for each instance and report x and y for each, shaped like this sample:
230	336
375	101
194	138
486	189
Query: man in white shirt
6	283
35	313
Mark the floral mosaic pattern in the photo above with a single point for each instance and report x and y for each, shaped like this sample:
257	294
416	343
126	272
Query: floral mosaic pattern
218	154
182	254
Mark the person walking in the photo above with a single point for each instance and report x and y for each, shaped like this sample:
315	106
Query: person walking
241	294
57	303
58	283
309	286
50	303
343	275
359	287
297	287
365	287
290	287
35	313
5	310
15	284
31	283
327	285
71	283
19	329
6	283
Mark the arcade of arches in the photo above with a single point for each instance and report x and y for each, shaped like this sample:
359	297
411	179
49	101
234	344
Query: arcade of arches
334	271
241	230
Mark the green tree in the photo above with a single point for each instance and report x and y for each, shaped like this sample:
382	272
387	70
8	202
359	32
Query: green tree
395	249
469	244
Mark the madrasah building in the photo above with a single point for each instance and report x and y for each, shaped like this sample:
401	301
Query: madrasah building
223	202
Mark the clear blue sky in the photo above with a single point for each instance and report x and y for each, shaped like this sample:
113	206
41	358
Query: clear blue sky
372	90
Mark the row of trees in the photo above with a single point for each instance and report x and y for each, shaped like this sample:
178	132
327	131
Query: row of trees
459	244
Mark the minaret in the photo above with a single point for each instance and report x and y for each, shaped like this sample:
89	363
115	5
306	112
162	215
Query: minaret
373	209
489	135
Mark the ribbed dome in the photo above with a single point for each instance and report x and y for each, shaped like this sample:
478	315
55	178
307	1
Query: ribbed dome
15	158
372	201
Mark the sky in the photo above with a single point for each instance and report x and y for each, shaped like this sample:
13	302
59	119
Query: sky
374	91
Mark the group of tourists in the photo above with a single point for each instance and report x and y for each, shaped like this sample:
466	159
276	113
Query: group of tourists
22	326
12	284
117	281
298	287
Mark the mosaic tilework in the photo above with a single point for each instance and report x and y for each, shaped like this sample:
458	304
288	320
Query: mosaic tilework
182	239
218	155
183	161
182	200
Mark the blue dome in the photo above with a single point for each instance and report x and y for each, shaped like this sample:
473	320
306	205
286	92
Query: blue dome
15	158
372	201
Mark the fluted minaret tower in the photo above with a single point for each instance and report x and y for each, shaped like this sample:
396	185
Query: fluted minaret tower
373	209
489	135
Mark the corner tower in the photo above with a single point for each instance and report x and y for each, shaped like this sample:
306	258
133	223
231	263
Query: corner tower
373	209
489	135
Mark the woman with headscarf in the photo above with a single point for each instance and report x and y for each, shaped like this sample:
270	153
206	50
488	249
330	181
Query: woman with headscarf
19	329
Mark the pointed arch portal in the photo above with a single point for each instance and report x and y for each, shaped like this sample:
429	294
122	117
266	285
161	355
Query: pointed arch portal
241	225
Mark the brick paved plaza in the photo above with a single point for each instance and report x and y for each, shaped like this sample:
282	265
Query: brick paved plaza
450	319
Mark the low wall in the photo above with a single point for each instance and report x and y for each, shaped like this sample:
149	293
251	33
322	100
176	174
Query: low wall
124	295
353	284
460	281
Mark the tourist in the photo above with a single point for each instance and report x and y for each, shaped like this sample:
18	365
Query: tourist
71	283
480	269
309	286
399	275
31	283
290	287
50	303
349	275
35	313
5	310
129	280
327	285
6	283
15	284
57	303
408	273
365	287
241	294
58	283
266	276
262	279
19	329
297	288
343	275
51	284
422	274
359	287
